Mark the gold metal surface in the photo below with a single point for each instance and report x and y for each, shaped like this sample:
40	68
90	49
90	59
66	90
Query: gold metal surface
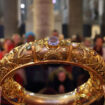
40	52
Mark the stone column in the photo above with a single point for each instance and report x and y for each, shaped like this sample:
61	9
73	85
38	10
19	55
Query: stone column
29	20
76	17
43	18
10	13
101	10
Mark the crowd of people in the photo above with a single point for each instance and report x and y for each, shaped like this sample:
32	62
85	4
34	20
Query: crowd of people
7	45
60	78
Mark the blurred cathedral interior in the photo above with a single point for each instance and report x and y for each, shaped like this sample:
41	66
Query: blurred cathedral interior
81	21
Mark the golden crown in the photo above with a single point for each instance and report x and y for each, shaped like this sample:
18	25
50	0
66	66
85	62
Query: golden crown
46	52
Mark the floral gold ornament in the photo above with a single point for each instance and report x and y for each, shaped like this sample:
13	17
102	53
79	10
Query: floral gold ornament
45	52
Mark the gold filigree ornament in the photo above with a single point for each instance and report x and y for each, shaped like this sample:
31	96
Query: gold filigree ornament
46	52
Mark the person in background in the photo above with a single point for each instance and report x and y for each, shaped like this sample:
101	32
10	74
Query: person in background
77	38
55	33
1	45
87	42
30	37
73	38
61	81
34	74
8	46
61	37
20	76
98	46
80	76
17	39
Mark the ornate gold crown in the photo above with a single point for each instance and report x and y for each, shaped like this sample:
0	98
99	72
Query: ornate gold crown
46	52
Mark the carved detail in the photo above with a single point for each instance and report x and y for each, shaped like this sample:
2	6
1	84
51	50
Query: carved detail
66	52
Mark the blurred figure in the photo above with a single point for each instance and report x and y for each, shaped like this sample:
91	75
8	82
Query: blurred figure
1	44
55	37
61	37
73	38
17	39
98	46
55	33
35	79
19	75
30	37
61	77
77	38
80	76
1	47
61	81
87	42
8	46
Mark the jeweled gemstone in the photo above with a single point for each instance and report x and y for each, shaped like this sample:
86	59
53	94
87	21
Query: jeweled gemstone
74	44
28	47
53	41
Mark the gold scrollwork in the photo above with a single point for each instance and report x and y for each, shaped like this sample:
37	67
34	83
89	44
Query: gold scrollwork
40	52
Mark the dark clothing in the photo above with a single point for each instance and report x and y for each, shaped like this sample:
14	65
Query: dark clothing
67	84
99	51
76	73
36	77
